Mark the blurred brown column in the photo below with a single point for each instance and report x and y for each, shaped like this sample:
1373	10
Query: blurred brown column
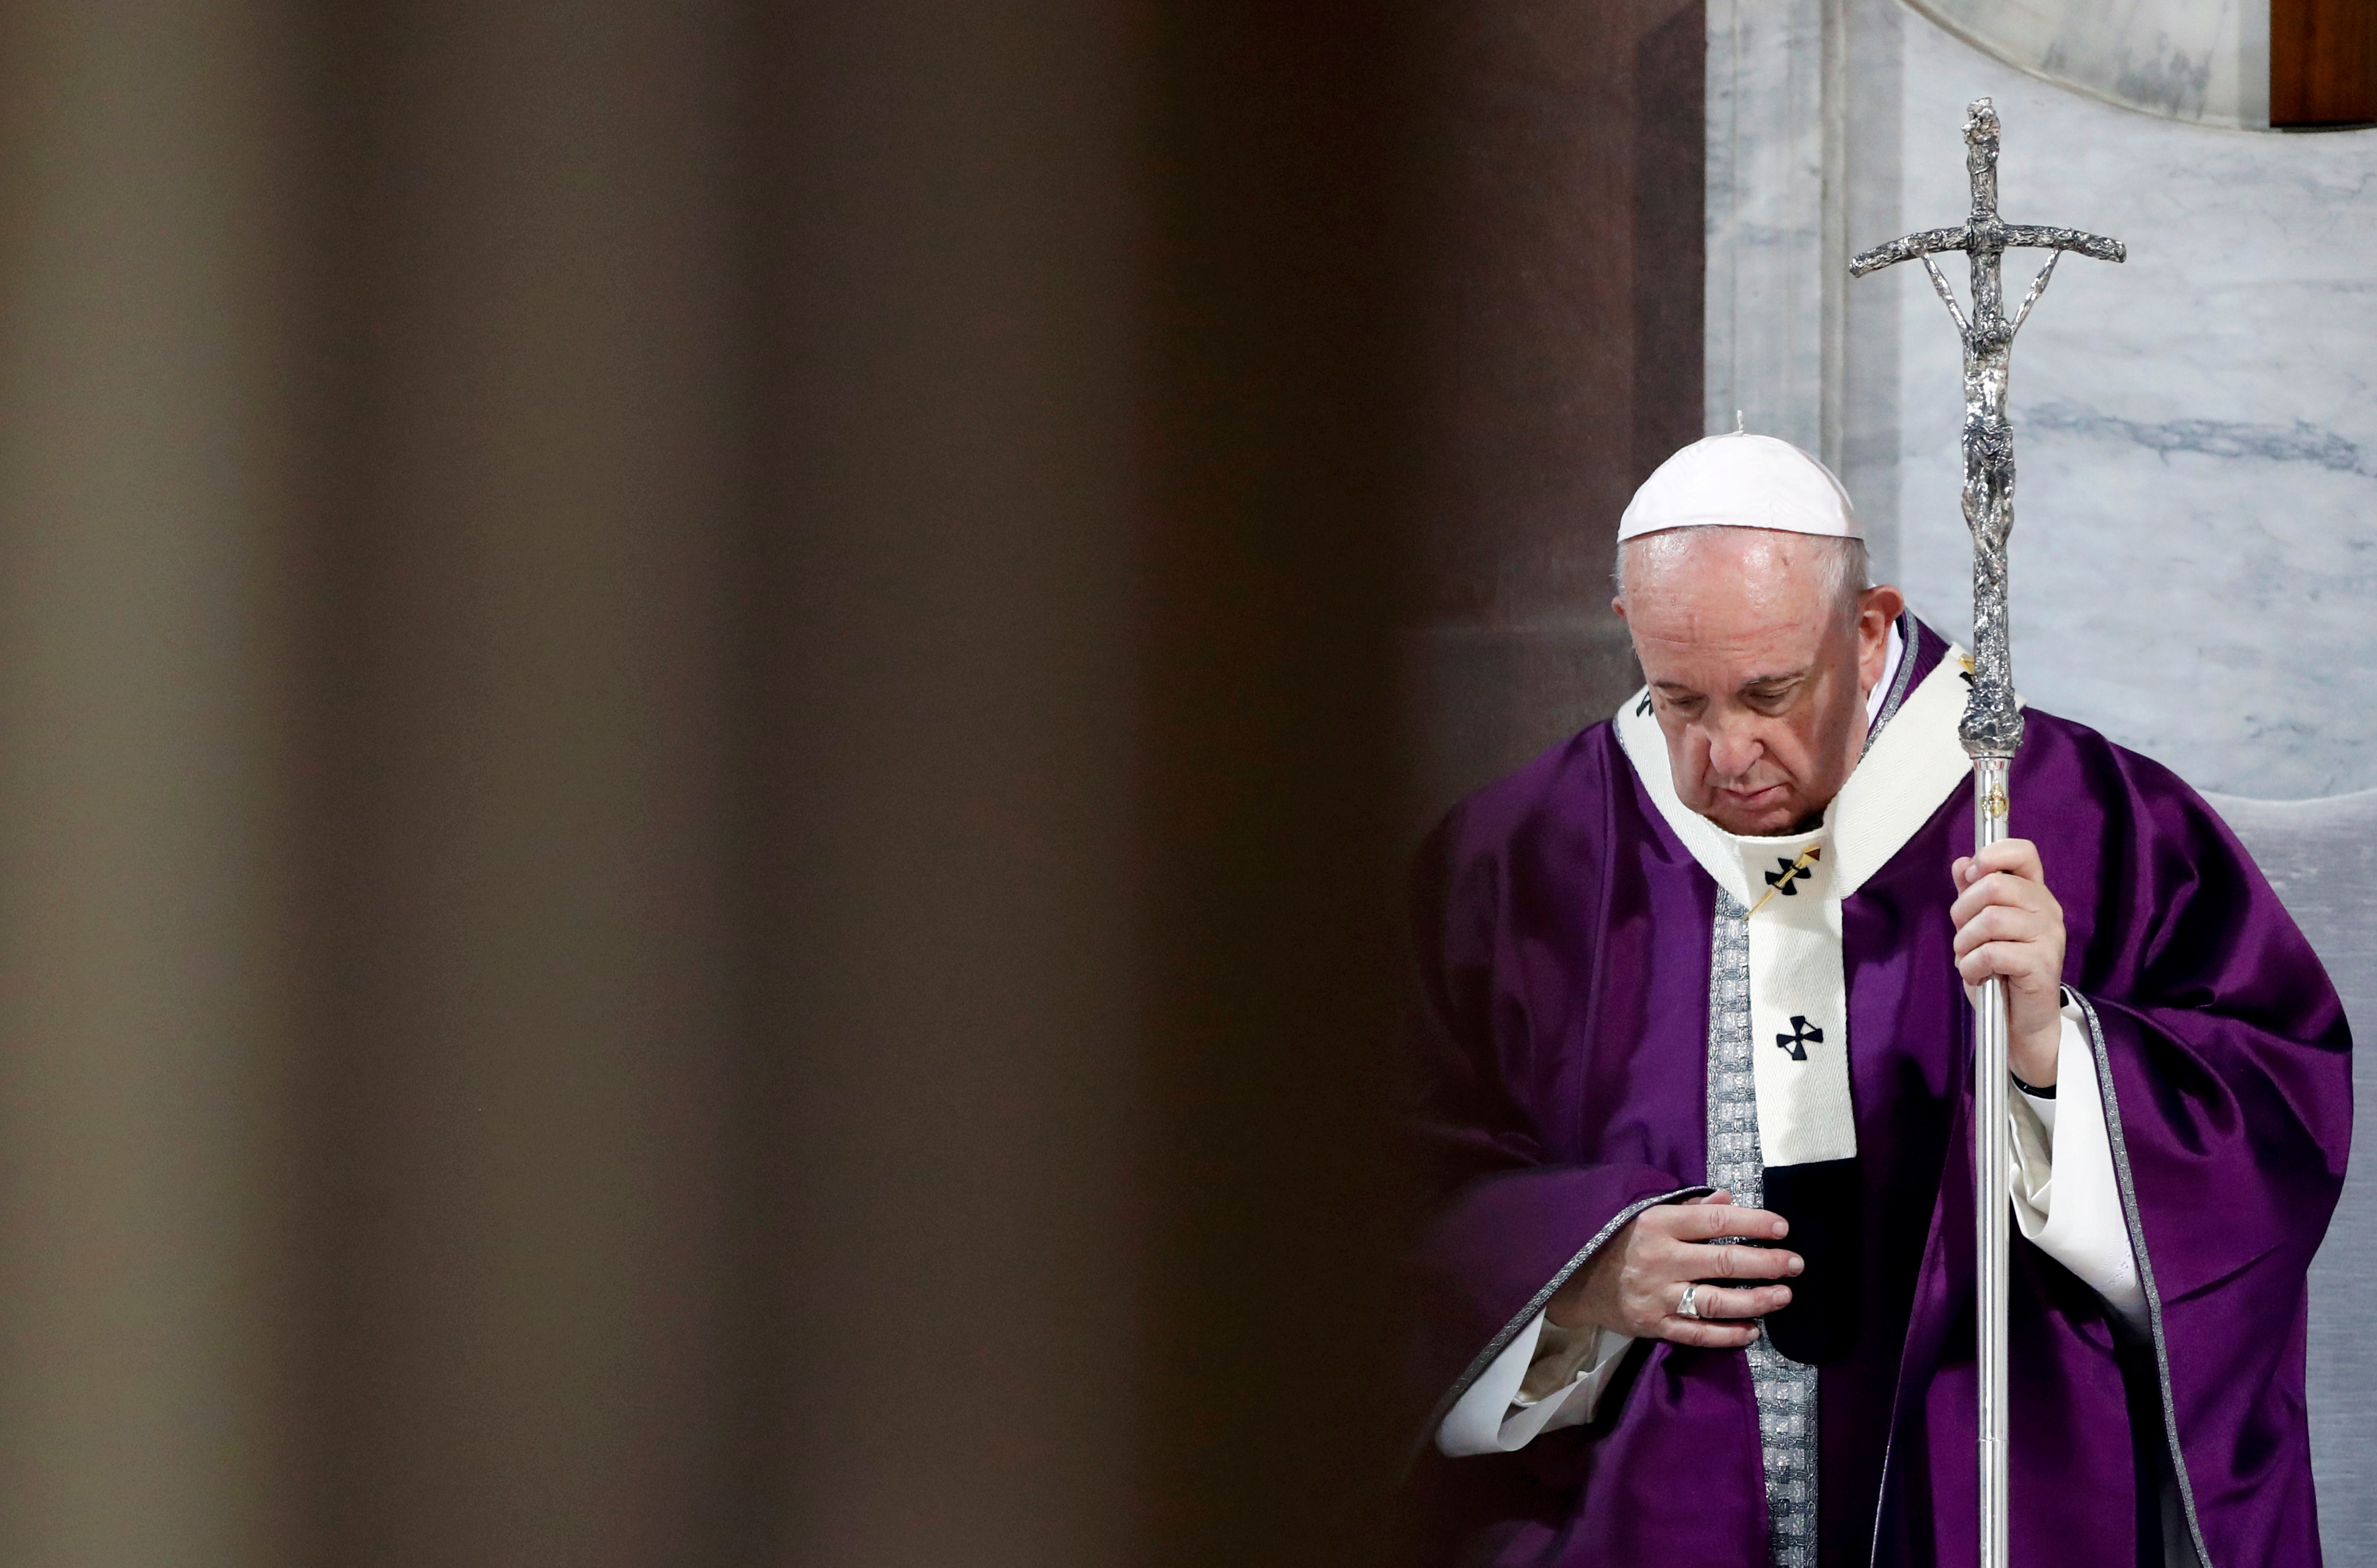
1079	548
952	1121
696	804
528	1034
1273	894
147	260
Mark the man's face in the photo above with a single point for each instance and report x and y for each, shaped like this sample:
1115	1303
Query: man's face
1758	678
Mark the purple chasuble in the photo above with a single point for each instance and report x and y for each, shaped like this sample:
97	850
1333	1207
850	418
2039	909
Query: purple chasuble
1564	942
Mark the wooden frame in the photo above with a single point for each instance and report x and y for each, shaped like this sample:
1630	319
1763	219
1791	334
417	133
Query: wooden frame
2322	63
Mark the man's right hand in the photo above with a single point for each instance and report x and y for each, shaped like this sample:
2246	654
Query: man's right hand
1636	1283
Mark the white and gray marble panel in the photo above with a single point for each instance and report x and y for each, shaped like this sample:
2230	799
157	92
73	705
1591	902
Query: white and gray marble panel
2195	550
1772	294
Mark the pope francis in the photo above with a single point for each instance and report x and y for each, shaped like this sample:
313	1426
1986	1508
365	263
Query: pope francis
1696	1105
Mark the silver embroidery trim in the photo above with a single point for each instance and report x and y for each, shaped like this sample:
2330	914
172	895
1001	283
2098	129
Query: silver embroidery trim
2146	1269
1901	681
1906	633
1526	1315
1785	1389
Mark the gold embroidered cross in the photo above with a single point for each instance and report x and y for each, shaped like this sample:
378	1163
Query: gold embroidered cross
1781	880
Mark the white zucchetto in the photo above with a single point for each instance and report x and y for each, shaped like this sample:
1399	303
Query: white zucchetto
1744	482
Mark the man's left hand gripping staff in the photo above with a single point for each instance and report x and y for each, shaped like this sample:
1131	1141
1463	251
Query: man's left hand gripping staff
2010	927
1636	1285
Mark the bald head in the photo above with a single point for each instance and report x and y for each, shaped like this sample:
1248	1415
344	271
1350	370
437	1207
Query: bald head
1760	646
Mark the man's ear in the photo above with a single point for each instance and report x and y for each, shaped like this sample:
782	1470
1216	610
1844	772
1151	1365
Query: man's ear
1876	608
1620	606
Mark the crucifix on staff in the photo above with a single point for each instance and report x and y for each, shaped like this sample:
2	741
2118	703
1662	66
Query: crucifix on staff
1992	728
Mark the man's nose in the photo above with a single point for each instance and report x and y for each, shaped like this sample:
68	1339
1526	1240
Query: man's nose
1733	749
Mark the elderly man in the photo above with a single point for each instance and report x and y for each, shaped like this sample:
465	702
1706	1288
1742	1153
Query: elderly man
1698	1104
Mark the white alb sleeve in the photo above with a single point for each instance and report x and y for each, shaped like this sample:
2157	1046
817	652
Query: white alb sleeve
1495	1416
2065	1198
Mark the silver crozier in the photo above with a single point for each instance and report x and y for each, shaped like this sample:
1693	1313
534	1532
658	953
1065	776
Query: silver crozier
1992	724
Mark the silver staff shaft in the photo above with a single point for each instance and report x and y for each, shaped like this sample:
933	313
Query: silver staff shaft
1992	1190
1991	730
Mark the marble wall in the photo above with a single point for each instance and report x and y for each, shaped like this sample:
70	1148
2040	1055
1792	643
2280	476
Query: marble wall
2195	550
2195	554
1776	247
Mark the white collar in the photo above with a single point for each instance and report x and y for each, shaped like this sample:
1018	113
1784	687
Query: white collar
1907	771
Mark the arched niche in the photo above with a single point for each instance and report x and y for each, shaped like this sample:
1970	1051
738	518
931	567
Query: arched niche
2243	64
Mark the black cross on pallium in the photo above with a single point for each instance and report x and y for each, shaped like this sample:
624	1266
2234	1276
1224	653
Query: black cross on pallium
1803	1034
1792	872
1643	707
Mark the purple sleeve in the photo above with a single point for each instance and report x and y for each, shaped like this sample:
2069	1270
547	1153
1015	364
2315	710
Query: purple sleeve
1507	1223
2226	1063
